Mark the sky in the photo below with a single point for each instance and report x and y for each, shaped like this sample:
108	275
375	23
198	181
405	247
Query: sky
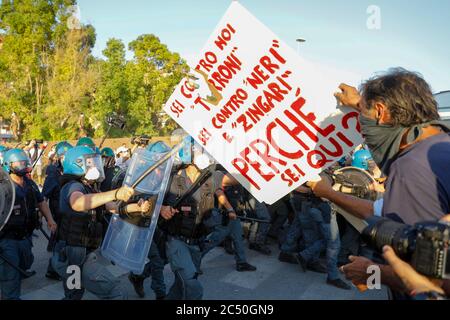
413	34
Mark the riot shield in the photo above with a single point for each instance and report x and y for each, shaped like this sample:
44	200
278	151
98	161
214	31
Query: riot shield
357	182
7	197
127	241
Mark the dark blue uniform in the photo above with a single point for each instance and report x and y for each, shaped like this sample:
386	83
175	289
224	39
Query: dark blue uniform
15	238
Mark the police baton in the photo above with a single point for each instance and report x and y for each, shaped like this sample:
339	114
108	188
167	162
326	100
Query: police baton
44	233
40	155
25	274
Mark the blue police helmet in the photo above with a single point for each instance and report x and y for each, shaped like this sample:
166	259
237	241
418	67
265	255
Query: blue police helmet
74	160
15	155
158	147
361	159
62	148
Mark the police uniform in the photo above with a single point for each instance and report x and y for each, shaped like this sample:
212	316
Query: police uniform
223	227
316	222
50	190
79	237
185	235
242	200
15	238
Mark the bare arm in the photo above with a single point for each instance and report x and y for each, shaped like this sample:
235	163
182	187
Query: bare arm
45	210
82	202
223	200
360	208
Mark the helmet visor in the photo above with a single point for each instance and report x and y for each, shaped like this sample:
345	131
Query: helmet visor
93	167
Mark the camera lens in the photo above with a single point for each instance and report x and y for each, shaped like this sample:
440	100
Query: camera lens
382	231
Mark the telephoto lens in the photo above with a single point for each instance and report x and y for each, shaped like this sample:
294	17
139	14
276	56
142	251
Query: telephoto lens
383	231
425	245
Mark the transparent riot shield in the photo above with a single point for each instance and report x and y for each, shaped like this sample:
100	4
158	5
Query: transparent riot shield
7	197
127	241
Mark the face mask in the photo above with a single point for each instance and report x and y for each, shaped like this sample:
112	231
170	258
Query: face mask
201	161
21	172
384	140
93	174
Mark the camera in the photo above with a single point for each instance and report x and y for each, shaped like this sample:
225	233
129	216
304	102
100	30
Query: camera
115	120
425	245
142	140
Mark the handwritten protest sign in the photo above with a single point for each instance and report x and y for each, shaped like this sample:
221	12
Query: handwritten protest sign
264	113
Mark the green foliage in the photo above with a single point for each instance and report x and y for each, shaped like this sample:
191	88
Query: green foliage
48	75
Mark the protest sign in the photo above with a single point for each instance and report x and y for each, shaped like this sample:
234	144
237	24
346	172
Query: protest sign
262	111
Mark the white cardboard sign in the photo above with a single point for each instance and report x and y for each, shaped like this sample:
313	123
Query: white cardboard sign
263	112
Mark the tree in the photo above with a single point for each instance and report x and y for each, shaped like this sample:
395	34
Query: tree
152	75
72	84
112	94
30	30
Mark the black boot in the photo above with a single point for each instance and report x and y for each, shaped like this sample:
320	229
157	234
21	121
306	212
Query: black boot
302	262
244	266
338	283
260	248
317	267
287	257
53	275
138	284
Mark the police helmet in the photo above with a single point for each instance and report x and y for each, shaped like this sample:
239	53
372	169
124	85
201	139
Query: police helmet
107	152
62	147
86	141
361	159
83	161
16	161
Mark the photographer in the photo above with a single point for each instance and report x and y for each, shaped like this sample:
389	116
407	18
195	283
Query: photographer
400	124
123	157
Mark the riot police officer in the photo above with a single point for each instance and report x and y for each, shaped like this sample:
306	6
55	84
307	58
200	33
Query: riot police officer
184	224
239	198
15	237
110	168
316	222
50	191
80	232
224	222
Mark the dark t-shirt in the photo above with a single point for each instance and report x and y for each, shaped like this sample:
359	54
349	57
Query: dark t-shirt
51	184
29	186
418	187
66	192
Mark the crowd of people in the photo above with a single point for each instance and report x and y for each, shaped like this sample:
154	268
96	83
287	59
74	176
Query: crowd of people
406	152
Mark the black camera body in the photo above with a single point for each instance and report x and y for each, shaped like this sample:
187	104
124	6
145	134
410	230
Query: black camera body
115	120
425	245
142	140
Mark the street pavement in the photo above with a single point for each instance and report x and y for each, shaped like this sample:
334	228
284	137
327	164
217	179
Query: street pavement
273	280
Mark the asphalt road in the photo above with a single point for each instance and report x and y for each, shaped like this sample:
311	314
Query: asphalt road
273	280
